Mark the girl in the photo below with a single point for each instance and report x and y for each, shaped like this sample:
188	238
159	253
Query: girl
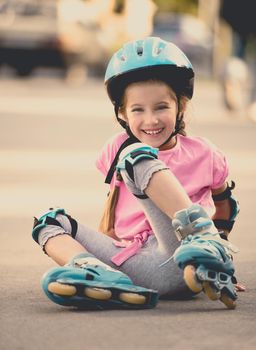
168	194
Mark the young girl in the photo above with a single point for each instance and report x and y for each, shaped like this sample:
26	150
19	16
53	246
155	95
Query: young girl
168	194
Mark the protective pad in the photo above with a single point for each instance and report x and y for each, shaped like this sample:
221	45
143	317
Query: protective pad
133	154
228	224
49	218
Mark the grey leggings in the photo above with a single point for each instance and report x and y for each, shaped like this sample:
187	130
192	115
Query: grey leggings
144	267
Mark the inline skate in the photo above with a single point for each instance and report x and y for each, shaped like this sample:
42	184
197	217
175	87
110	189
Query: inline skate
86	282
204	256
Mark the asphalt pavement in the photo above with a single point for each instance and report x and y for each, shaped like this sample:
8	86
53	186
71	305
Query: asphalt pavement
51	133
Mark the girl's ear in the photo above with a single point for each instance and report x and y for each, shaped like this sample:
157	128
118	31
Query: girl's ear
122	116
182	104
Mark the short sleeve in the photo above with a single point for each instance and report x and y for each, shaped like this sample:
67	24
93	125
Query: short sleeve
220	169
102	163
108	152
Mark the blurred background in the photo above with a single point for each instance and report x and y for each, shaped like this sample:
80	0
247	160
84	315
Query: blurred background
76	36
74	39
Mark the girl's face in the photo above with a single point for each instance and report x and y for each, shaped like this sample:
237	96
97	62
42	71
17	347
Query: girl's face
150	110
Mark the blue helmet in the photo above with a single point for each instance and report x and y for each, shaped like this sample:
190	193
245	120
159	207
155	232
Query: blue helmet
150	58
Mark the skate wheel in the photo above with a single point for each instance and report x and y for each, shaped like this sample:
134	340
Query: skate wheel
230	303
191	280
61	289
211	293
132	298
98	293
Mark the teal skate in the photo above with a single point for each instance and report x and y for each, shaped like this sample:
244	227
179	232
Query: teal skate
86	283
204	256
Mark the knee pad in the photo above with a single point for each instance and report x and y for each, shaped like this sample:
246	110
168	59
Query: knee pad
49	218
234	205
134	154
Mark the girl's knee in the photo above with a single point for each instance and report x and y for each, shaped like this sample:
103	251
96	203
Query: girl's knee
53	223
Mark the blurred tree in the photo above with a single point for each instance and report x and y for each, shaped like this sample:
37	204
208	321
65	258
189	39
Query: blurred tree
188	6
119	6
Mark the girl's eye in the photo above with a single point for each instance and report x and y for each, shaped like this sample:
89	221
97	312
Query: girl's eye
137	110
162	107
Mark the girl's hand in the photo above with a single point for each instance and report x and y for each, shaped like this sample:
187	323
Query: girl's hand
240	287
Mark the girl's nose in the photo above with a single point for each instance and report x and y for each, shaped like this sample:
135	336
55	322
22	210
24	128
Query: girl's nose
152	118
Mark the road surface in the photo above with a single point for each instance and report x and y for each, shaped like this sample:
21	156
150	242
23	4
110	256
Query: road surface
51	134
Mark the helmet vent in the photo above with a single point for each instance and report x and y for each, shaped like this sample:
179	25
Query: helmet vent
140	50
122	58
158	51
159	48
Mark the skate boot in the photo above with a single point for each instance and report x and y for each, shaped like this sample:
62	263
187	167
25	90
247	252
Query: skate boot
204	256
88	283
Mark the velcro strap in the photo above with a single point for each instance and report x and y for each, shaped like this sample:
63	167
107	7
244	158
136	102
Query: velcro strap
225	194
143	153
39	224
223	235
193	228
73	224
134	154
183	232
141	196
222	224
112	169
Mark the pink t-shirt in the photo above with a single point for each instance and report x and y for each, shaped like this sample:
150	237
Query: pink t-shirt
198	165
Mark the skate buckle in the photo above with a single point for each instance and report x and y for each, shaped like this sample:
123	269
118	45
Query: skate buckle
193	228
179	232
182	232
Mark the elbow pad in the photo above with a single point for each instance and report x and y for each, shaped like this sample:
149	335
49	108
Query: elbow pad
222	224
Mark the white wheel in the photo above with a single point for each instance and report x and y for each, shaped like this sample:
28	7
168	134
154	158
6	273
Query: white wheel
132	298
191	280
61	289
98	293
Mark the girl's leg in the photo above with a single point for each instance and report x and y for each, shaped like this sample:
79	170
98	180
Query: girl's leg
63	248
143	268
86	279
61	244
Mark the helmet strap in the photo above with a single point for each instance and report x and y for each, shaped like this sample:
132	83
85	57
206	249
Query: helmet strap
116	108
175	131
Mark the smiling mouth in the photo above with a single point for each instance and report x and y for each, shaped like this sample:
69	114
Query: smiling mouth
153	132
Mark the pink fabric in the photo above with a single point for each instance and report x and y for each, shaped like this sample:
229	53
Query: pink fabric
197	164
130	248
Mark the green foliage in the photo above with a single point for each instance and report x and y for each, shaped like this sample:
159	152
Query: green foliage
188	6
